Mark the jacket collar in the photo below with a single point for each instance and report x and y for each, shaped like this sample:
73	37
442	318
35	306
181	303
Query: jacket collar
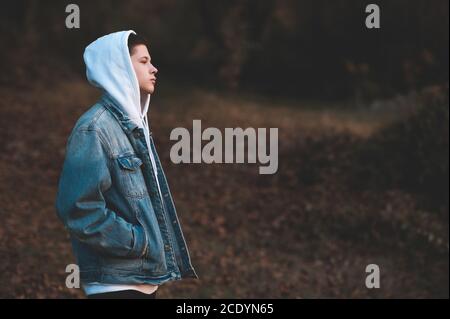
124	120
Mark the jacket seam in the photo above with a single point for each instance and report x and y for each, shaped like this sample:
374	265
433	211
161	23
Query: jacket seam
99	134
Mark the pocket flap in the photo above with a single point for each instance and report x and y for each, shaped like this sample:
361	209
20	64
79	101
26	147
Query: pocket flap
129	162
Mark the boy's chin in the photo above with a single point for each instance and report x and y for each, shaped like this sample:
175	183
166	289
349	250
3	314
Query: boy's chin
148	90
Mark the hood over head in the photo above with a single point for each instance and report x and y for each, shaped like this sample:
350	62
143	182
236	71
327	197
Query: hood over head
109	67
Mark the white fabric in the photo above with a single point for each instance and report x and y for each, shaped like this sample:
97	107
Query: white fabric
109	67
98	288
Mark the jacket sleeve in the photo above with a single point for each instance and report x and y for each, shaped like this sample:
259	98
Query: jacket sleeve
80	202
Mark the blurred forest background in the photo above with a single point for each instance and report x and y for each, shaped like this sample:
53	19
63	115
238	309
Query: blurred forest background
363	120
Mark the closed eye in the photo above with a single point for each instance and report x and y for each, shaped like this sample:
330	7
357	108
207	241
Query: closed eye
145	60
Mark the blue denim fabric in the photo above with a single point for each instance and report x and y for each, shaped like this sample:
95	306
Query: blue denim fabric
121	230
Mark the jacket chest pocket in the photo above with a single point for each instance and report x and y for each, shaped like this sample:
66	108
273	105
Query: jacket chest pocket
130	176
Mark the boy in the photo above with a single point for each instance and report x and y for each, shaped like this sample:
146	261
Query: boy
113	195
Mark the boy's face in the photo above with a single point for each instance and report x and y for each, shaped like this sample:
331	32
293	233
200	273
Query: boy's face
144	69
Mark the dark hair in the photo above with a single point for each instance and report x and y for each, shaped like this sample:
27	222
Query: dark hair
134	40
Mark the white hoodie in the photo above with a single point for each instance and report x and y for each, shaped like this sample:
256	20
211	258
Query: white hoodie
109	67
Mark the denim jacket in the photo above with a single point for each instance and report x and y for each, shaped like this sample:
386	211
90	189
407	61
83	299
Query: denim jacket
122	230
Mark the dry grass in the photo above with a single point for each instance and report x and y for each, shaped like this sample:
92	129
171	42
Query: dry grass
250	235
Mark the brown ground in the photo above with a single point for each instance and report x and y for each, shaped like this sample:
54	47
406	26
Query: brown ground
300	233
